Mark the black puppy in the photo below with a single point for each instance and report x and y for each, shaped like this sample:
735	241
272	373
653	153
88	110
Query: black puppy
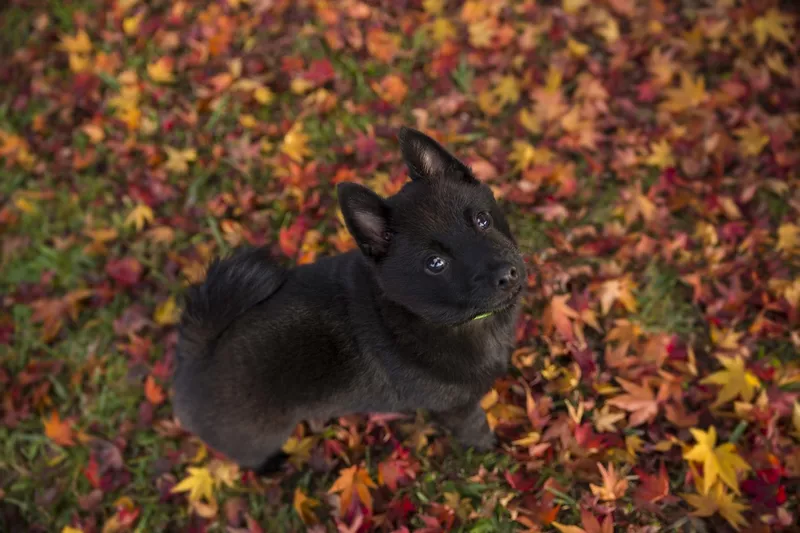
421	316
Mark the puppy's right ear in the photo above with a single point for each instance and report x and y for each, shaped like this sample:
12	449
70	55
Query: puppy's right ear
367	218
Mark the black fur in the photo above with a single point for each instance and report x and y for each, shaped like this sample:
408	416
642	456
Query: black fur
262	348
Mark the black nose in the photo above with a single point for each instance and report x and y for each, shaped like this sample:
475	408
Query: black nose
506	277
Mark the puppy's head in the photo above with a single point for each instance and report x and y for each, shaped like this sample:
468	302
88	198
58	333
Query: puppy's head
441	247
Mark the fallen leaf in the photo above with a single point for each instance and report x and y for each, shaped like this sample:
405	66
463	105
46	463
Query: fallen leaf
718	461
58	431
735	380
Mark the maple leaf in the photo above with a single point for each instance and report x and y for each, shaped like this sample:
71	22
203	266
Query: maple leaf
652	488
772	25
604	420
507	90
613	488
660	155
153	391
139	216
735	380
718	500
618	290
295	142
560	316
353	480
752	139
70	529
178	160
718	461
304	507
199	484
167	312
641	401
58	431
482	32
391	89
80	44
788	238
690	94
590	524
299	450
796	420
383	45
160	71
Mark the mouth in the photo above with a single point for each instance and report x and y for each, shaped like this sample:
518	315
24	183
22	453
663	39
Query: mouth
504	305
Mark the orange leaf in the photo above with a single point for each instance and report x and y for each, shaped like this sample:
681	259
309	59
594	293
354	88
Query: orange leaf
58	431
153	391
641	401
353	479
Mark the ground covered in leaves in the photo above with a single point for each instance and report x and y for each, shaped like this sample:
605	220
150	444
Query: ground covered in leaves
647	153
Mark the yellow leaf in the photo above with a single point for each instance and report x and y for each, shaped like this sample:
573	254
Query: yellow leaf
299	450
718	501
789	238
434	7
167	312
572	6
263	95
691	94
489	103
178	160
247	120
139	216
507	90
482	32
304	506
567	529
618	290
442	30
776	64
80	44
660	155
577	48
735	381
160	71
70	529
751	139
79	63
552	82
199	484
772	25
528	440
530	121
130	25
718	461
609	30
796	420
294	143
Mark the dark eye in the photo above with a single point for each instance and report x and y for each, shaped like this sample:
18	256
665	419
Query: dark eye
435	264
483	220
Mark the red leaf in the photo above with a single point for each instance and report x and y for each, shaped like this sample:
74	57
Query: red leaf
126	271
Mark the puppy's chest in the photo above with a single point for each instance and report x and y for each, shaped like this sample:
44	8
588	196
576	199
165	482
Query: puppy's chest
450	372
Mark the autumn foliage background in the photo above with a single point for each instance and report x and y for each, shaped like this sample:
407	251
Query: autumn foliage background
646	152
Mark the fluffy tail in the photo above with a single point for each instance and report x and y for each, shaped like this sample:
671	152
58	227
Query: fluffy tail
232	286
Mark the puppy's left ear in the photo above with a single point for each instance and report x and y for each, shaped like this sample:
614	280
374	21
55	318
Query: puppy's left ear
367	218
427	159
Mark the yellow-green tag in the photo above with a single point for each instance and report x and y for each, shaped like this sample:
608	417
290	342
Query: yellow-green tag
484	315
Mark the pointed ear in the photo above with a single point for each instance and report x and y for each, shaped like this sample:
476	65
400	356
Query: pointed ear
367	218
427	159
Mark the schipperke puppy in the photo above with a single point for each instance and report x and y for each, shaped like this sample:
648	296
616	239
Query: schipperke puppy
421	315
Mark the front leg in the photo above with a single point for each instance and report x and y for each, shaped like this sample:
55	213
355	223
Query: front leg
468	425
